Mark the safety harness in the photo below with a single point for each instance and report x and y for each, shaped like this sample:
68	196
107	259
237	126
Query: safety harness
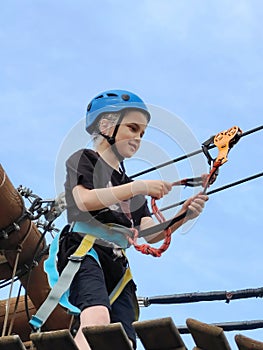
116	235
111	235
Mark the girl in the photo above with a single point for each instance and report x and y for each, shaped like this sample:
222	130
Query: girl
98	191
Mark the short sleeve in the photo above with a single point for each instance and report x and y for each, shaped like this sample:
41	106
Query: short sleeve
80	169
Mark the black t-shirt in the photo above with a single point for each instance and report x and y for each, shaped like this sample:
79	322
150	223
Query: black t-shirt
85	167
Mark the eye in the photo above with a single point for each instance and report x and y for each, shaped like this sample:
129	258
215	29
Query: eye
133	127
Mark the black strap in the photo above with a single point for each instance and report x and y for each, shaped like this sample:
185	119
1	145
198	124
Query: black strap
14	226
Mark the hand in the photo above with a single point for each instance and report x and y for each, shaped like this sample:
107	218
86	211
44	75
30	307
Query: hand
154	188
195	205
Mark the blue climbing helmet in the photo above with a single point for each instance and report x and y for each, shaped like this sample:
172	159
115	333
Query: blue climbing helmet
112	101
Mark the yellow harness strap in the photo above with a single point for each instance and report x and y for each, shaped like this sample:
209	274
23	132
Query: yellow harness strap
127	277
85	245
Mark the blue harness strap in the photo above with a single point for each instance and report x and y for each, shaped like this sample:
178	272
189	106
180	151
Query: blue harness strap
50	267
109	234
63	283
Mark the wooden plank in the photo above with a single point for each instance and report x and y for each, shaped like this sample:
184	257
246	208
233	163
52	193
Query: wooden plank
159	334
207	337
11	342
61	339
109	337
246	343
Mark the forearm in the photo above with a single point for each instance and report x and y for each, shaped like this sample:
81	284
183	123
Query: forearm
193	207
159	236
95	199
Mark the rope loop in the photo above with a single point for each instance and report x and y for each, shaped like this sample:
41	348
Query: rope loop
146	248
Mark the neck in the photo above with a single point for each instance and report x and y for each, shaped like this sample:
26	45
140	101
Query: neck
106	153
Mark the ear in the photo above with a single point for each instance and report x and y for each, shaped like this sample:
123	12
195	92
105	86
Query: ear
105	126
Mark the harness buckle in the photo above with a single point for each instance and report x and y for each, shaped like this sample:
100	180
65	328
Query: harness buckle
75	258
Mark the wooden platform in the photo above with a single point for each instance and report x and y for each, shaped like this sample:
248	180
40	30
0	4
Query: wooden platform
160	334
110	337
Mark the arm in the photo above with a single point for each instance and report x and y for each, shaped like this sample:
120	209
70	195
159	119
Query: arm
95	199
194	205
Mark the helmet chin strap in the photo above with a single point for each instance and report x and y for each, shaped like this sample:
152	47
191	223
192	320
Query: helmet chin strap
112	141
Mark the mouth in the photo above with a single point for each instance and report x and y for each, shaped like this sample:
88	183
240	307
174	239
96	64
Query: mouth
133	146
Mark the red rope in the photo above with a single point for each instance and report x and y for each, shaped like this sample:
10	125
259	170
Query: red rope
212	173
146	248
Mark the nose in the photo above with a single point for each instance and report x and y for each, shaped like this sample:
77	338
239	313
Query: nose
138	137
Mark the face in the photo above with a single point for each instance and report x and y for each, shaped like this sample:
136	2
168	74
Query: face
130	133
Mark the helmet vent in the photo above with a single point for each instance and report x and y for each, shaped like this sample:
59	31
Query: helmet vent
112	95
125	97
100	96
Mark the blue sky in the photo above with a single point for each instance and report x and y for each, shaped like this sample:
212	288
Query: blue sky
197	61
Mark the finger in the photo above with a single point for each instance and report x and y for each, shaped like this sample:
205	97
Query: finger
169	186
196	209
197	205
192	213
202	196
165	191
198	201
160	194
